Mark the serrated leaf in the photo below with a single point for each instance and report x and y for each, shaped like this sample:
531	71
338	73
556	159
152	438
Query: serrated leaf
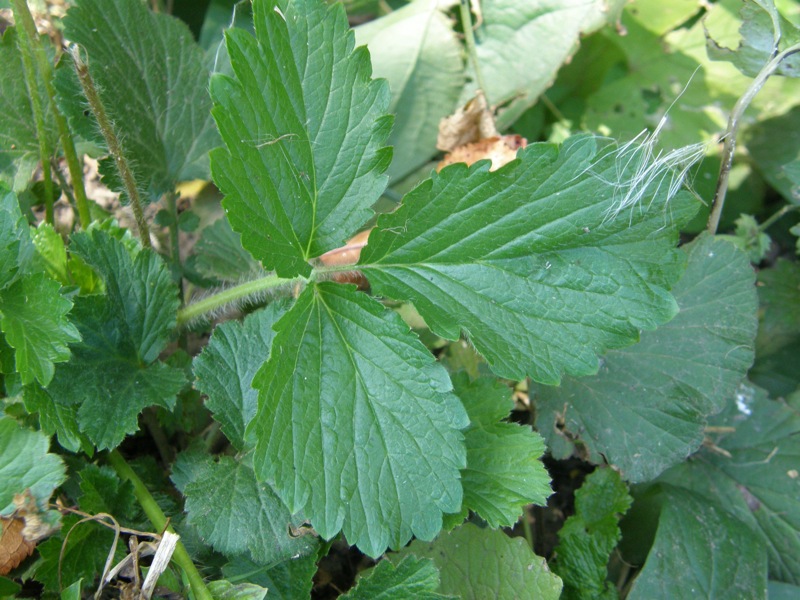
646	409
533	249
17	252
419	54
237	514
56	419
50	246
289	580
225	590
410	577
503	471
25	464
588	537
701	551
152	80
225	369
357	425
764	32
114	374
19	141
309	123
219	254
758	483
485	563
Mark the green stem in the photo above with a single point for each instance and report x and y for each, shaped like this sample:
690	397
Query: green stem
777	217
26	34
46	70
733	127
113	143
472	49
234	294
159	521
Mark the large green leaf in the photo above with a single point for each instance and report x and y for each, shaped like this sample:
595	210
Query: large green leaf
503	471
411	577
774	146
588	537
303	126
357	425
114	373
25	464
536	263
226	367
758	483
645	410
419	54
236	514
700	551
485	563
152	81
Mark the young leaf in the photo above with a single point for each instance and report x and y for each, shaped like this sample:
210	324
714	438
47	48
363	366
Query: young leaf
226	367
225	590
485	563
25	464
236	514
410	577
701	551
645	411
152	81
310	124
357	425
758	483
503	471
114	374
419	54
590	535
535	249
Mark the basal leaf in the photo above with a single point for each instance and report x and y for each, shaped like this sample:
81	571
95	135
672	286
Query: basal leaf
152	80
303	125
226	367
357	425
237	514
485	563
758	482
646	409
411	577
419	54
25	464
588	537
532	262
114	374
700	551
503	471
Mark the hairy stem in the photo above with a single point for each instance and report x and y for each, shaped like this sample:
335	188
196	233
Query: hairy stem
159	521
26	38
472	49
112	141
733	127
231	295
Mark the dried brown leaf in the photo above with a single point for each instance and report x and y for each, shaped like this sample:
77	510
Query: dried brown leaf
471	123
499	149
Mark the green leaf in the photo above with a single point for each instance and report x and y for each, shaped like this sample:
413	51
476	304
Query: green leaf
25	464
503	471
541	248
373	447
700	551
50	247
73	592
289	580
152	81
225	369
758	483
485	563
236	514
646	409
782	591
114	374
19	141
764	32
8	588
590	535
419	54
410	577
56	419
774	146
219	254
310	124
225	590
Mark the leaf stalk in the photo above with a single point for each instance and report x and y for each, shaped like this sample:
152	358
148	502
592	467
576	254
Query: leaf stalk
112	141
733	127
159	521
469	38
